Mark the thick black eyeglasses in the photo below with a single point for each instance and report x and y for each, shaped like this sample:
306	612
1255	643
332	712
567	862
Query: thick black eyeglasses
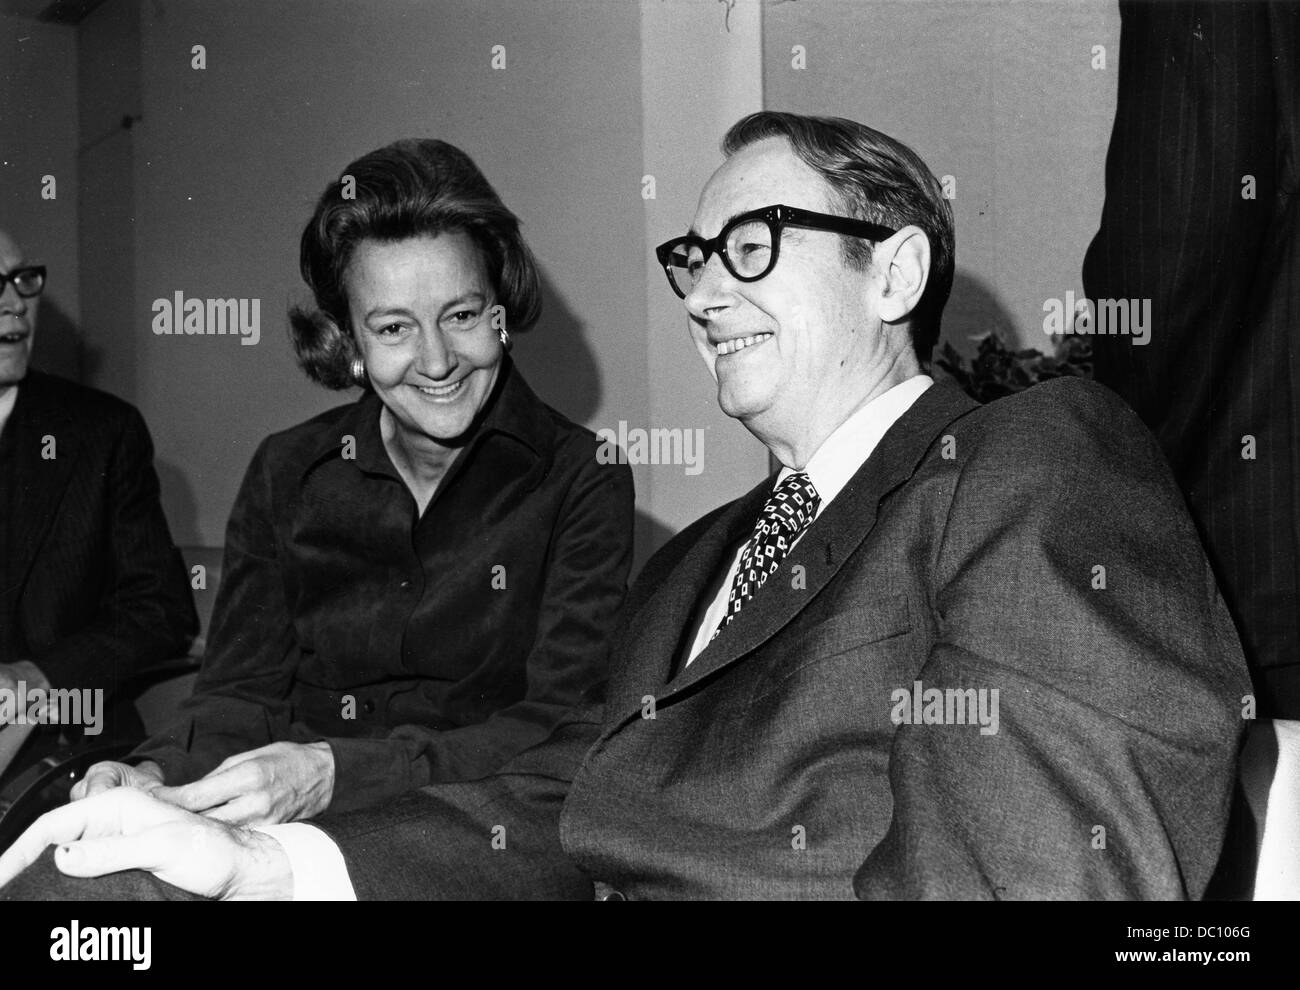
27	281
750	244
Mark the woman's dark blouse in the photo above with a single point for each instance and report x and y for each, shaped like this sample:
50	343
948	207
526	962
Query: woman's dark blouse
422	649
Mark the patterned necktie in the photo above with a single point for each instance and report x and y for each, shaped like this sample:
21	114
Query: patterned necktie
786	514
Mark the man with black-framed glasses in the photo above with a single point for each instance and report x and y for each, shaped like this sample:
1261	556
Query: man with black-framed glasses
91	587
20	290
949	650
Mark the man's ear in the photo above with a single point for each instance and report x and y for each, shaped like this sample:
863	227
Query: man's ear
903	262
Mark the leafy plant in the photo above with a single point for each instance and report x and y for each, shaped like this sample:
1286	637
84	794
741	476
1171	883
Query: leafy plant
996	370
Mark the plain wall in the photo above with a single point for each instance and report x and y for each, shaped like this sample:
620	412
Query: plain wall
39	137
701	70
1000	95
108	96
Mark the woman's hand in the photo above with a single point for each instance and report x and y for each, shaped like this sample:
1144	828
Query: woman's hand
147	777
281	782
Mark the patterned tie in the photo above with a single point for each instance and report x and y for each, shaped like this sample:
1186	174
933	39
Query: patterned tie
786	514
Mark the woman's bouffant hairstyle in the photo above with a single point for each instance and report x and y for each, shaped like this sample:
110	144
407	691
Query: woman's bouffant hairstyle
410	188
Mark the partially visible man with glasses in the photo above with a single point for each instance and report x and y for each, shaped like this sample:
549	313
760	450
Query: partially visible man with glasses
948	651
91	587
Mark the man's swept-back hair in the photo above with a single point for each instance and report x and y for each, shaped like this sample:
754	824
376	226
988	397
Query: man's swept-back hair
872	177
410	188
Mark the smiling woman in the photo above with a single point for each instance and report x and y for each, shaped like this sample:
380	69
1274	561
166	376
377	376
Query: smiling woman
420	309
418	584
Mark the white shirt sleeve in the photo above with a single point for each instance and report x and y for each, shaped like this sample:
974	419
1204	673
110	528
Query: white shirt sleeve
319	873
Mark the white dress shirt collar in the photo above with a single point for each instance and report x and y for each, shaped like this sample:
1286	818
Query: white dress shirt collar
830	468
847	449
7	405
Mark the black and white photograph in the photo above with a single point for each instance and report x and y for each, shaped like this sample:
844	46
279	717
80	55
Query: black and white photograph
710	450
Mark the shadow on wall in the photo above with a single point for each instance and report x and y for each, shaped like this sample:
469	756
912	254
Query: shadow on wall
59	348
974	310
182	509
556	359
560	366
648	535
92	359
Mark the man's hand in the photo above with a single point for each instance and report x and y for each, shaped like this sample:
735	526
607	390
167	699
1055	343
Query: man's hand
282	782
21	670
12	736
147	777
125	829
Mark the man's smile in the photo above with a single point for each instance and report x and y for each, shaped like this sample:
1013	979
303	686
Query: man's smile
735	344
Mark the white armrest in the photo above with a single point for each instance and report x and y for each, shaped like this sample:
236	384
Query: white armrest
1270	777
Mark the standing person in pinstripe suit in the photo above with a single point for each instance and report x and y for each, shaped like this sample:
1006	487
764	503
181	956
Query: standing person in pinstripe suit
1201	218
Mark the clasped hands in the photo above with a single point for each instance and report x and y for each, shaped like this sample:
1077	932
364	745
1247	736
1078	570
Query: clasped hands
282	782
193	836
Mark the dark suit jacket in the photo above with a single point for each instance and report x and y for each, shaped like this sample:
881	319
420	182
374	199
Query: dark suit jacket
1209	96
963	554
91	586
